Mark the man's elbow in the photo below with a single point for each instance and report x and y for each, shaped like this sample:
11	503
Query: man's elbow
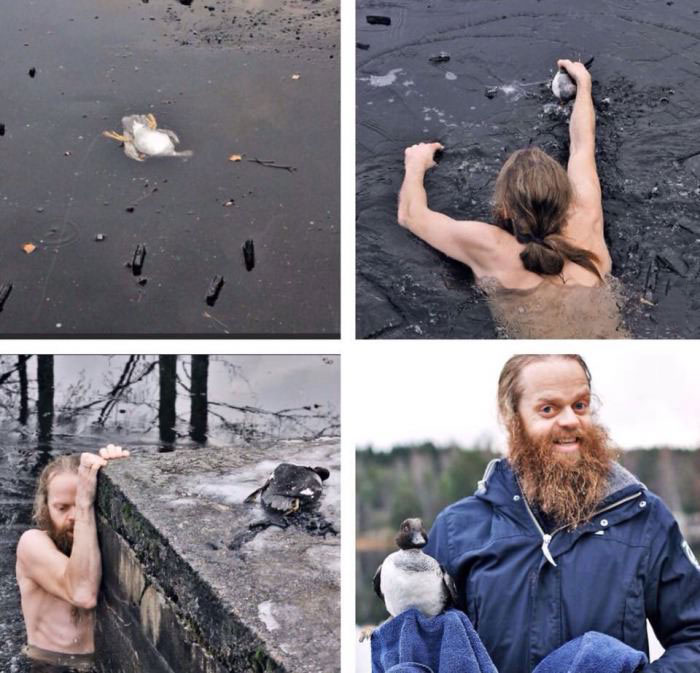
85	600
410	218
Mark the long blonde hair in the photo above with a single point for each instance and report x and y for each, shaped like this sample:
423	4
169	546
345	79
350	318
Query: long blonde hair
40	513
531	198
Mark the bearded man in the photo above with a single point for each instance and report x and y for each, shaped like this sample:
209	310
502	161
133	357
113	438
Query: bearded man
560	539
59	566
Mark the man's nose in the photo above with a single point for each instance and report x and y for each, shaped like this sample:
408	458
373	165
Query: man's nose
567	418
71	514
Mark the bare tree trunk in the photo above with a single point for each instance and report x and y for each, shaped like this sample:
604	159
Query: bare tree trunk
167	366
198	398
23	388
44	375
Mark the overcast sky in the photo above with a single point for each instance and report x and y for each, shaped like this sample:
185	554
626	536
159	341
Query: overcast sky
649	391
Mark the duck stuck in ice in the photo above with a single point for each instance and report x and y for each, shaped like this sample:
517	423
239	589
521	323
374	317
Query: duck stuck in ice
143	139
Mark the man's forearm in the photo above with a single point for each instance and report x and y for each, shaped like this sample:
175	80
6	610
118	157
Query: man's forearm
84	570
582	124
413	198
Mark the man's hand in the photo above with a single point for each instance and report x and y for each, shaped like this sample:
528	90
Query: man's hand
420	157
577	71
90	463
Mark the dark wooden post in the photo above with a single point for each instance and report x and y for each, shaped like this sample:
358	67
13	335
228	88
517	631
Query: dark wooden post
23	389
167	367
44	375
198	398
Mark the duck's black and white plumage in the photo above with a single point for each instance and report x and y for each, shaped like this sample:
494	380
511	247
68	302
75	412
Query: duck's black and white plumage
291	488
408	578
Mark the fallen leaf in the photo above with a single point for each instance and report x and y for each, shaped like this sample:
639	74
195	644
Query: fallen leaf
29	248
235	157
296	75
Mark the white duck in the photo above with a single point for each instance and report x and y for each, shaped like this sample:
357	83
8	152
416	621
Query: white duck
142	138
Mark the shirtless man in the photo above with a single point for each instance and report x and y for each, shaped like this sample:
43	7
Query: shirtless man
59	566
549	222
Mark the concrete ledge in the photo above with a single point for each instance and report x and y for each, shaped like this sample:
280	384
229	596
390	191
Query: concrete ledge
176	598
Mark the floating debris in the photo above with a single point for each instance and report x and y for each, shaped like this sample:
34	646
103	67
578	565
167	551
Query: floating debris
217	282
2	129
100	237
187	3
235	157
362	45
692	227
67	153
296	75
442	57
249	254
269	163
32	72
142	281
143	139
129	209
378	20
29	248
5	290
138	259
491	92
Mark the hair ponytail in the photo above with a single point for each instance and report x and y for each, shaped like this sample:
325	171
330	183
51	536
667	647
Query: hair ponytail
531	199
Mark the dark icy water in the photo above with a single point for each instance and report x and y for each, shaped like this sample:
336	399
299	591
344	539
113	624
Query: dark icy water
647	93
221	75
253	401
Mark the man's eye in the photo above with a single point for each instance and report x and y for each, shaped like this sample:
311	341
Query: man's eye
547	409
581	406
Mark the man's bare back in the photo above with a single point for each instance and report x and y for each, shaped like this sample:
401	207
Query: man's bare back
59	567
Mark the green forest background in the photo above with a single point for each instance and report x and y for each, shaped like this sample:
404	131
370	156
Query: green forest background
422	479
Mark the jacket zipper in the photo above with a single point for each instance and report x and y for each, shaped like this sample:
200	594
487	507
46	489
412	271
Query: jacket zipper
547	537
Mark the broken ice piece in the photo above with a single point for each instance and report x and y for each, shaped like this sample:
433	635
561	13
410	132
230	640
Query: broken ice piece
100	237
491	91
215	286
5	290
137	261
249	254
379	20
442	57
673	261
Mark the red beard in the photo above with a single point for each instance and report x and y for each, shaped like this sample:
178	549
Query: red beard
566	487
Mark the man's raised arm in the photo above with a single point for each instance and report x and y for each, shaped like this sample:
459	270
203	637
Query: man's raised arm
582	167
467	241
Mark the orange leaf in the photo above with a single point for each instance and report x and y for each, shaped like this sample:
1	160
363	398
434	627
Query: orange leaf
235	157
29	248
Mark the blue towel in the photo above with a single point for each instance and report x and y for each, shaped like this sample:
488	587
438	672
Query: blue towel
592	653
412	643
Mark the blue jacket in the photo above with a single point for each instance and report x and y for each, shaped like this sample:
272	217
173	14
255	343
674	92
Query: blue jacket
628	564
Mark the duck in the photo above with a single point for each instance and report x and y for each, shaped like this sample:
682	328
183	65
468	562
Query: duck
143	139
291	488
409	578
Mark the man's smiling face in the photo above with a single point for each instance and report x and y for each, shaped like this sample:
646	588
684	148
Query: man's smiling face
555	406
